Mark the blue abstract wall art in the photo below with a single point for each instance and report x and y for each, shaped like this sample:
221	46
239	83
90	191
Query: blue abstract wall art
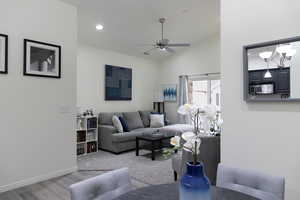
170	92
118	83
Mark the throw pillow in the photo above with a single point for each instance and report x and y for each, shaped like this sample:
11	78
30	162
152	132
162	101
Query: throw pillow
157	121
124	124
117	123
145	116
165	116
133	120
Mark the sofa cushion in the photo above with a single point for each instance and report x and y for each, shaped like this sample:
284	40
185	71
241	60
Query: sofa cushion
125	137
176	129
105	118
145	131
133	120
145	116
131	136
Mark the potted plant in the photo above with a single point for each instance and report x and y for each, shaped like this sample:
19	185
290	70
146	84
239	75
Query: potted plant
206	120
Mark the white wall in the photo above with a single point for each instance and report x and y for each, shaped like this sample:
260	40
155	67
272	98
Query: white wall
199	59
261	136
37	139
91	80
295	72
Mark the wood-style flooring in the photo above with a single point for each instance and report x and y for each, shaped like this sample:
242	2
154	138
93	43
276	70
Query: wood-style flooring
54	189
143	172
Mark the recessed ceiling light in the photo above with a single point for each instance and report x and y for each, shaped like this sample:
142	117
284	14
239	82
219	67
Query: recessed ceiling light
99	27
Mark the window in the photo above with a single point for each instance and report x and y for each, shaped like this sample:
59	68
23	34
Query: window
205	90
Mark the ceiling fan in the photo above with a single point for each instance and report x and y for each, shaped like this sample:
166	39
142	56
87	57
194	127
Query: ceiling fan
164	44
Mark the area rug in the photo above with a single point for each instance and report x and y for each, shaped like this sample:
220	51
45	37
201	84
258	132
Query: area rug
143	170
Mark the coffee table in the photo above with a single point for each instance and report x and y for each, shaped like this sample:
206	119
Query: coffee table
171	192
153	143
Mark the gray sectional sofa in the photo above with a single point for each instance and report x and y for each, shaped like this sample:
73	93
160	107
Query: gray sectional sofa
138	125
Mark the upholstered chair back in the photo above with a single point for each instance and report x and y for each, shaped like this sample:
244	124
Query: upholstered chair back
256	184
107	186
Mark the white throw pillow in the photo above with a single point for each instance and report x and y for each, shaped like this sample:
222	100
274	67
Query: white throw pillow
157	121
117	123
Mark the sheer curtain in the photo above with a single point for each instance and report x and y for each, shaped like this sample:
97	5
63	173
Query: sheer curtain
183	97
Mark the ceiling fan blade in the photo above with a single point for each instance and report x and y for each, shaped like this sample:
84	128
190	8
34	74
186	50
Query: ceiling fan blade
145	45
147	53
169	50
179	45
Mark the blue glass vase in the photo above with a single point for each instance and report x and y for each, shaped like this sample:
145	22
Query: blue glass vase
195	185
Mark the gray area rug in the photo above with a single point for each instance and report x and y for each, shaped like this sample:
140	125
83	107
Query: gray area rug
143	170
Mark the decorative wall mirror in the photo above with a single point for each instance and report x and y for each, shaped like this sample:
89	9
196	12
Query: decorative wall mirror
272	71
3	53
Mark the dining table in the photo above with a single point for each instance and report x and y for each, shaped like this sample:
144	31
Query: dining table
171	192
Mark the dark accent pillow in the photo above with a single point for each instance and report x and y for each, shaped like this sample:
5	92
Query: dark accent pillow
133	120
124	124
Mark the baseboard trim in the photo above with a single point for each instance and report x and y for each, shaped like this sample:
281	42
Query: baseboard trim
36	179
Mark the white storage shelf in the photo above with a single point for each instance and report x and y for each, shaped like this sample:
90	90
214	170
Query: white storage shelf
87	135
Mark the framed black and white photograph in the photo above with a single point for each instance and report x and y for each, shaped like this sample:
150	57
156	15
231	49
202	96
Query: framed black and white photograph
3	54
42	59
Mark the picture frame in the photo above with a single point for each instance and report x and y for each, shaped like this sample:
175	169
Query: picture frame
169	92
118	83
282	75
3	54
42	59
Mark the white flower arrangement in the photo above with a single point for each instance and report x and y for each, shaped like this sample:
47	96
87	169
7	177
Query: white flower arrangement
175	141
192	143
189	145
200	115
203	117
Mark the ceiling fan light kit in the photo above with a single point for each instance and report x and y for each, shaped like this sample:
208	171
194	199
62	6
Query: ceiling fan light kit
163	44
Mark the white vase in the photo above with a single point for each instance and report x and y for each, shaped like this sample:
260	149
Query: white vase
45	66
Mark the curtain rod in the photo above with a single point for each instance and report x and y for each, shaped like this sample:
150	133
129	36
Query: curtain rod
207	74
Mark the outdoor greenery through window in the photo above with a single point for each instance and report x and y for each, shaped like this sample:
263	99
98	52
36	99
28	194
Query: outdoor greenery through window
205	90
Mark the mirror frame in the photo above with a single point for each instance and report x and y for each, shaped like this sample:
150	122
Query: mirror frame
246	78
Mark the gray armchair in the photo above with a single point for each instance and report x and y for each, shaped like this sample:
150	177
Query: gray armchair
107	186
253	183
209	155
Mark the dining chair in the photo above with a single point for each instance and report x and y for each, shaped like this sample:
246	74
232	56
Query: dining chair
253	183
107	186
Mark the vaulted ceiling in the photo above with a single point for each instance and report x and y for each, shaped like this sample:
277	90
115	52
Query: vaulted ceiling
129	24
